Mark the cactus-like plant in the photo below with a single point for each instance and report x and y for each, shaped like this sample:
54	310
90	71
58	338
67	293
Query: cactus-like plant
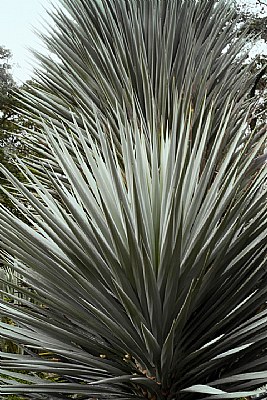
145	247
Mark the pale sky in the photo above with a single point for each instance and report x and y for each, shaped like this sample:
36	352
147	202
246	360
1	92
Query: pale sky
17	20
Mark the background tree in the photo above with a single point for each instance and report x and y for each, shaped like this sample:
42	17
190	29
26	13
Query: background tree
7	102
13	126
253	20
8	118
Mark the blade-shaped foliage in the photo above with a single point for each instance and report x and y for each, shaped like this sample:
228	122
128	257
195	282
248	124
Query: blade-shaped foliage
144	254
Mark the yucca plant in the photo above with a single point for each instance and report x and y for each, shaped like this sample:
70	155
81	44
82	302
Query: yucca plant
145	247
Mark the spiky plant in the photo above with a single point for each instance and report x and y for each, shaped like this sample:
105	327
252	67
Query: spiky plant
145	248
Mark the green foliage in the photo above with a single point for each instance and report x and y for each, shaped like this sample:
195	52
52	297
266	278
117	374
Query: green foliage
11	124
252	21
8	117
7	84
145	232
